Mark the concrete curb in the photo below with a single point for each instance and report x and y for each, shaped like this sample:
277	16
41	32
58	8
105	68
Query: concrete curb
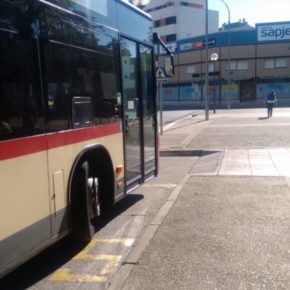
173	123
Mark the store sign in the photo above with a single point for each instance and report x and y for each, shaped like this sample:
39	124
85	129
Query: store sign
171	47
191	45
196	44
273	32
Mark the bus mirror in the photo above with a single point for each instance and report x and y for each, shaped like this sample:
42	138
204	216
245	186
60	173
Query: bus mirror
168	66
168	58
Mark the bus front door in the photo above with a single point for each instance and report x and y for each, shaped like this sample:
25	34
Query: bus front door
139	108
131	103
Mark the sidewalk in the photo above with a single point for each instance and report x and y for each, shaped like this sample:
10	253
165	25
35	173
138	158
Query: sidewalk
238	142
228	221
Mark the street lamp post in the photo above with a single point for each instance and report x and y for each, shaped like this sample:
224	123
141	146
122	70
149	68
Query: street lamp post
229	52
206	62
214	57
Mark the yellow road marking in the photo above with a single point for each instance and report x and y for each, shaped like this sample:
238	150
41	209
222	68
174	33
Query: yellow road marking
85	251
93	242
112	261
64	275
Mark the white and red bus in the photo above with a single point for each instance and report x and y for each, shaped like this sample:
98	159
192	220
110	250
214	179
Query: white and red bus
78	127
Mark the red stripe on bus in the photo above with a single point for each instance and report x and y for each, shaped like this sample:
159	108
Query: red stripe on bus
78	135
29	145
24	146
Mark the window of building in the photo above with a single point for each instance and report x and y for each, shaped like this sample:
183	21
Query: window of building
233	65
157	23
280	62
269	63
190	69
184	3
238	65
242	65
170	37
168	4
171	20
165	21
275	63
163	38
210	67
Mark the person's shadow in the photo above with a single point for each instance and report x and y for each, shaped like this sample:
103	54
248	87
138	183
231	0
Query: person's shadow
263	118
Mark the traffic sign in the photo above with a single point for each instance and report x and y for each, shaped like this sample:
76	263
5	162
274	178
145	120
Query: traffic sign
160	74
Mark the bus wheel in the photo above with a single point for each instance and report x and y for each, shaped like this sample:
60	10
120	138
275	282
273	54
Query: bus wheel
86	206
94	198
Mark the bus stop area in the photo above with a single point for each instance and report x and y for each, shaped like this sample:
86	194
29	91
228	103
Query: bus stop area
226	221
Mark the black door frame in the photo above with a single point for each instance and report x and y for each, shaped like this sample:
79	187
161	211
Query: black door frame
133	183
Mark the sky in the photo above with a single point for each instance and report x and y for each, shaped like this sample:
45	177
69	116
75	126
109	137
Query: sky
254	11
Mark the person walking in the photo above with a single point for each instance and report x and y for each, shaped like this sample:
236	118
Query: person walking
270	102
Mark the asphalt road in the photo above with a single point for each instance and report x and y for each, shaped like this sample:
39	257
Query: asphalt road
222	233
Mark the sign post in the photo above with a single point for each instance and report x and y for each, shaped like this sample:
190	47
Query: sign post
161	77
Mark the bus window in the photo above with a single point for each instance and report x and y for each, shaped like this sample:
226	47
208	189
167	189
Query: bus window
20	99
74	73
86	65
82	111
58	86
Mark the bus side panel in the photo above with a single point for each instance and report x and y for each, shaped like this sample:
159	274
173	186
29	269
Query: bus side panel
24	207
62	158
26	202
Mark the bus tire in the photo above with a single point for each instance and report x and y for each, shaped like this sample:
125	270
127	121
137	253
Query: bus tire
85	203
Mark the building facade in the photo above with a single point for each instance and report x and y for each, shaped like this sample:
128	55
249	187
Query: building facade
256	61
179	19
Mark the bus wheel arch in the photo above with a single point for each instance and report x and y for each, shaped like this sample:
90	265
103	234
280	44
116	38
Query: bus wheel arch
91	191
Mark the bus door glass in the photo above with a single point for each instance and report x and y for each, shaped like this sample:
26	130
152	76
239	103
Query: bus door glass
148	108
129	61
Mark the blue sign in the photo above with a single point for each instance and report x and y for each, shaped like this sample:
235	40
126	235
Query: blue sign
273	32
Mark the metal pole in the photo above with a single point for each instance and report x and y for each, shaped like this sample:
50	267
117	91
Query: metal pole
214	104
161	107
206	62
229	53
214	57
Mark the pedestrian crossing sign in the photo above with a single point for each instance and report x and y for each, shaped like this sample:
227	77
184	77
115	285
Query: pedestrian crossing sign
160	74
